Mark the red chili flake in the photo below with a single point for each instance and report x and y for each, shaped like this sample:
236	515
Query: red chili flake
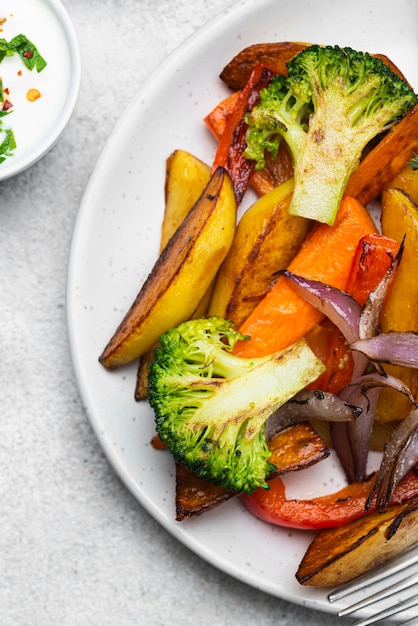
19	73
7	105
28	54
6	90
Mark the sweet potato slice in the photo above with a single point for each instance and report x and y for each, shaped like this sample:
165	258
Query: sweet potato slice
338	555
274	56
380	166
292	449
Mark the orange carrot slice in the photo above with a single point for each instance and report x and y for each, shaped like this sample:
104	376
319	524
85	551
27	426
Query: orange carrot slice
282	316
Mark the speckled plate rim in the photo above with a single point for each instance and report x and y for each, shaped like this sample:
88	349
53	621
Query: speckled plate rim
59	121
115	243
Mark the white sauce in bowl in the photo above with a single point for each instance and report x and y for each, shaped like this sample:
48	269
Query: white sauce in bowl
37	124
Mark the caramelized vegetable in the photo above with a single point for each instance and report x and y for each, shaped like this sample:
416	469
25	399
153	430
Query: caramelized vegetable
338	555
399	219
185	180
385	160
266	240
292	449
283	316
181	276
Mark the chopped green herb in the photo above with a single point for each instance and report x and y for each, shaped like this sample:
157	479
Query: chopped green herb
27	51
7	145
32	59
414	162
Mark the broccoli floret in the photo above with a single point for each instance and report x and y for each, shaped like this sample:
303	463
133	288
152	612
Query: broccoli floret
211	405
331	104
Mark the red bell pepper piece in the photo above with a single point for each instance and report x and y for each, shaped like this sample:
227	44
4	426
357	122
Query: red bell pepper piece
328	511
371	261
230	151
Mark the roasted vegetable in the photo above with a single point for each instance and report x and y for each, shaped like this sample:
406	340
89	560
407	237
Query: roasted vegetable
211	406
385	160
400	219
181	275
330	105
338	555
292	449
276	56
266	240
283	316
186	177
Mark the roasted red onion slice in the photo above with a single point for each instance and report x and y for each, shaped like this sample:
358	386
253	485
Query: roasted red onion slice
352	440
400	455
307	405
360	326
395	348
341	308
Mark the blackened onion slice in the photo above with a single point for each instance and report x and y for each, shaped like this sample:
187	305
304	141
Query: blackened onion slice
400	456
308	405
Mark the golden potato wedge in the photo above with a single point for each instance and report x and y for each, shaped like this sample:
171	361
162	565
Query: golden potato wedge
266	240
407	181
337	555
399	219
181	275
292	449
186	177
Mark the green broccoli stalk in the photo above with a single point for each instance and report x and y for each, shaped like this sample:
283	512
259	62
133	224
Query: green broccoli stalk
211	405
331	104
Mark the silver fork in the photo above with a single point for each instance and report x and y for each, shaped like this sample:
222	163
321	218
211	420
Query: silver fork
387	591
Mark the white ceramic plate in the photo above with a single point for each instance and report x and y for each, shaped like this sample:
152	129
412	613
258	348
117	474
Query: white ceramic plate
116	242
38	124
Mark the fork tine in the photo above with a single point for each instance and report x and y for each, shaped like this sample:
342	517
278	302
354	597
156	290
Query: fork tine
409	557
393	610
401	585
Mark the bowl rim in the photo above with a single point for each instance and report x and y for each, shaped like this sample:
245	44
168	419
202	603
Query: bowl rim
55	131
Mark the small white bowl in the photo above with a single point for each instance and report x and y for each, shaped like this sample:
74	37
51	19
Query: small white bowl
38	124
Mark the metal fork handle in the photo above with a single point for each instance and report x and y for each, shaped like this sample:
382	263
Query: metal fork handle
393	610
401	585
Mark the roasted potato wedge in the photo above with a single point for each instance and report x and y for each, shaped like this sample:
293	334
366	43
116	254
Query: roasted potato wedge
185	180
338	555
181	275
186	177
400	218
293	449
266	240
